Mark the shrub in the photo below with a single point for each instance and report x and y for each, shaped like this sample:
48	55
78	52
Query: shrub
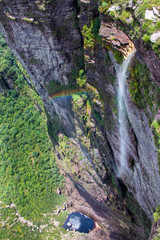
146	38
112	14
91	34
118	56
156	48
81	80
125	14
157	26
156	216
104	4
88	37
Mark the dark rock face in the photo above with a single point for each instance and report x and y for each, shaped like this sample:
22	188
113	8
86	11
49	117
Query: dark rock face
151	59
46	41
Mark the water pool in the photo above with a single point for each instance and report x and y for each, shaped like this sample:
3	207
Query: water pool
79	222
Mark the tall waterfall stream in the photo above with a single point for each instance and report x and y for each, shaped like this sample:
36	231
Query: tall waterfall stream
121	74
122	117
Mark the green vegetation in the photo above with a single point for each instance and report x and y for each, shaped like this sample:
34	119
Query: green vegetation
105	4
88	37
84	107
138	86
124	16
81	103
146	38
28	20
134	22
91	34
74	19
81	80
95	25
156	131
69	152
29	175
92	120
146	4
157	26
118	56
120	13
157	237
114	183
13	229
18	230
144	96
156	215
138	213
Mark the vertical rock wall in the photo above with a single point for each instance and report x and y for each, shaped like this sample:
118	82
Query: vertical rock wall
43	37
46	39
142	177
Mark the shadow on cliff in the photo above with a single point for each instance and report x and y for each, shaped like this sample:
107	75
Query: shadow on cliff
120	227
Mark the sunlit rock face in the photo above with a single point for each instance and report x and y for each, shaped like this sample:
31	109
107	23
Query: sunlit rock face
115	37
137	155
144	177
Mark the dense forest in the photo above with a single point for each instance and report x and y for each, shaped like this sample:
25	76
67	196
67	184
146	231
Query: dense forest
29	176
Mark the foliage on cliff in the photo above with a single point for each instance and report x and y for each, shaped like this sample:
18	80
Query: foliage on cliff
29	175
138	86
140	19
91	34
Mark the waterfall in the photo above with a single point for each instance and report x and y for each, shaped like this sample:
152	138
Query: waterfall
122	116
121	74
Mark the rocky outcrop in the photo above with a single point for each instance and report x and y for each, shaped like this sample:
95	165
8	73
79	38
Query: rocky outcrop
115	37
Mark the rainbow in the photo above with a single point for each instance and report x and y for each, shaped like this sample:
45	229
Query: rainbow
68	93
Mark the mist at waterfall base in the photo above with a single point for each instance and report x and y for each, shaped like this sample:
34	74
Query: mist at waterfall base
79	222
121	73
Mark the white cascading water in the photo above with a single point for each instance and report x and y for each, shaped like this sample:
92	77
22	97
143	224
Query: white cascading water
122	117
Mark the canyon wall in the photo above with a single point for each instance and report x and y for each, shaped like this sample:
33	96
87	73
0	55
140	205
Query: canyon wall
69	50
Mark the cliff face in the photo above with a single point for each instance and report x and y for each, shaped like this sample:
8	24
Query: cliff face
141	151
46	37
43	38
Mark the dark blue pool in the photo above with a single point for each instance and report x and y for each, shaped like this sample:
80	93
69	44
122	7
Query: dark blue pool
79	222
